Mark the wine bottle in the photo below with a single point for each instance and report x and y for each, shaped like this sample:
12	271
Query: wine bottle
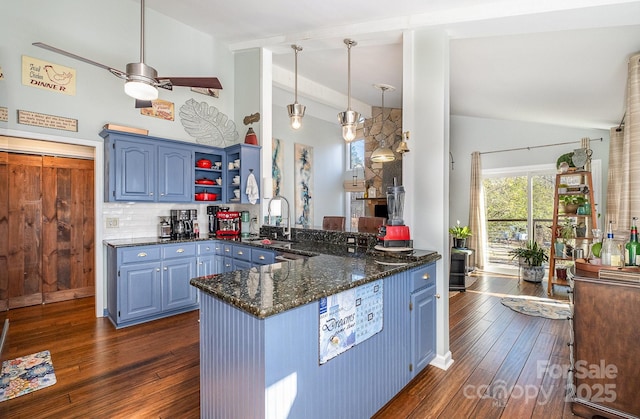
632	247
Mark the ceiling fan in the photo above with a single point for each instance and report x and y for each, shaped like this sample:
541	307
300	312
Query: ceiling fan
142	80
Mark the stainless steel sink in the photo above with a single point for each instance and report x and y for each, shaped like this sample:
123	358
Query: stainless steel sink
279	244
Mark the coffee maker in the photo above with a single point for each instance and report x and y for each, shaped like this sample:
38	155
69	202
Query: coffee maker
395	234
212	210
182	223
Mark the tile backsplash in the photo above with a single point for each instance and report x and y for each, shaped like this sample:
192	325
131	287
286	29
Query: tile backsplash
136	220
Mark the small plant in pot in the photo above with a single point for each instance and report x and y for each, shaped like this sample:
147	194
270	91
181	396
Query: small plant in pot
531	257
460	235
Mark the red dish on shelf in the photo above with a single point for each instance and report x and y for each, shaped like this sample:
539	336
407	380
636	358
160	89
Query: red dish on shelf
205	182
204	163
206	196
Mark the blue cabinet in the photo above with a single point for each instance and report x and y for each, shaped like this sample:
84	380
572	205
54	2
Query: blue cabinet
423	317
146	169
149	282
134	172
241	160
205	262
141	291
174	174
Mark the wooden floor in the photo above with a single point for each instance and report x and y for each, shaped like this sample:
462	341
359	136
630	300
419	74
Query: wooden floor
151	370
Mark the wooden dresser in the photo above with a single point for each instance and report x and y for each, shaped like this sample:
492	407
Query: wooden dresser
606	347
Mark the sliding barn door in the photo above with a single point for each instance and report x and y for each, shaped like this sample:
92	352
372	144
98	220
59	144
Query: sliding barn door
24	247
68	246
46	229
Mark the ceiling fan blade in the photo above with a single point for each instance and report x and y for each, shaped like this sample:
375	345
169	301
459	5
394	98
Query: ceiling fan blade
116	72
143	104
208	82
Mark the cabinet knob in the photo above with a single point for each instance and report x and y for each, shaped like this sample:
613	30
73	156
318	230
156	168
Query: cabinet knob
227	250
207	248
158	269
425	276
437	296
261	257
150	193
165	268
142	254
181	250
227	265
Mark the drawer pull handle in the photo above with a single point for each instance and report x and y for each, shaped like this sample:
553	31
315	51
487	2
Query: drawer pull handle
240	252
261	257
425	276
181	250
207	248
142	255
157	269
437	296
227	250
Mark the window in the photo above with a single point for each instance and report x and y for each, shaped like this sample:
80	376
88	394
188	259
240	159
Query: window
356	154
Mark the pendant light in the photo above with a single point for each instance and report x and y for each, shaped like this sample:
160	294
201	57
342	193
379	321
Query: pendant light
382	154
403	147
296	110
349	118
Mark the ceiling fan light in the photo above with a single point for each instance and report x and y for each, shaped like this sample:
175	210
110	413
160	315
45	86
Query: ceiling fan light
140	90
296	113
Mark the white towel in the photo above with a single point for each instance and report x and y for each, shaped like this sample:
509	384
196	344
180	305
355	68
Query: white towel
252	189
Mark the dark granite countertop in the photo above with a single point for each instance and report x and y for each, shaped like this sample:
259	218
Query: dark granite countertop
327	269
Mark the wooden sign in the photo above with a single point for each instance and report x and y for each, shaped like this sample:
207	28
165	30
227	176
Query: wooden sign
4	114
48	76
162	109
47	121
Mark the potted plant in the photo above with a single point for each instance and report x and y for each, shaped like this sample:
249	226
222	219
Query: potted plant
531	258
571	203
567	233
460	235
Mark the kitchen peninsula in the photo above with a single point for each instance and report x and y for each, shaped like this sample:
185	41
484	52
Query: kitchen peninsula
271	347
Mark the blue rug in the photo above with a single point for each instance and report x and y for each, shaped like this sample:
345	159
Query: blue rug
541	307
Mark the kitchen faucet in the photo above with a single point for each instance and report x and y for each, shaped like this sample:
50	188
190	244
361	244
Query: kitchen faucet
287	229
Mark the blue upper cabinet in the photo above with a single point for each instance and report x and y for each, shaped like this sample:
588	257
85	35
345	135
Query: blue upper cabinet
175	174
134	166
139	168
242	160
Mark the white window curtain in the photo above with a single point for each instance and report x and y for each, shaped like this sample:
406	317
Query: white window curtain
477	222
623	181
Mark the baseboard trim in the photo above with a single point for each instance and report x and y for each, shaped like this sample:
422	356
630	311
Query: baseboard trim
442	361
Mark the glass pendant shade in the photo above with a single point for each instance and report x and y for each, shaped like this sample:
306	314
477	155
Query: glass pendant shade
296	113
349	121
349	118
382	155
296	110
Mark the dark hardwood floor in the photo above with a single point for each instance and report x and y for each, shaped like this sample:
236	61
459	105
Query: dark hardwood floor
151	370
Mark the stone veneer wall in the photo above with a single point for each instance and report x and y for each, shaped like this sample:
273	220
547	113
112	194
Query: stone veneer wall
390	131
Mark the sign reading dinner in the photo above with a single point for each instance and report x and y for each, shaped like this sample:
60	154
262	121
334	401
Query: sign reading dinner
48	76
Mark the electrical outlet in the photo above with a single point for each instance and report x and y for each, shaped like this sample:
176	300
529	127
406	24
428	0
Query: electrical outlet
112	223
351	240
363	241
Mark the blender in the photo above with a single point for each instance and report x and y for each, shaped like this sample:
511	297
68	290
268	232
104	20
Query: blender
395	235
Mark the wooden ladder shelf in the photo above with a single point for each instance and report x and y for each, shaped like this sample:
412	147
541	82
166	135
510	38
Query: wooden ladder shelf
578	184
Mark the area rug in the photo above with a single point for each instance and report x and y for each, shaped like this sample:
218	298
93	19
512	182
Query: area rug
26	374
541	307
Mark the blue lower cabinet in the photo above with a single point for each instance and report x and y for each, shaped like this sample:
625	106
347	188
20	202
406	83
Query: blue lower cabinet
149	282
423	326
227	264
177	293
141	291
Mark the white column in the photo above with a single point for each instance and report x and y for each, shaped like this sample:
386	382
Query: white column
425	169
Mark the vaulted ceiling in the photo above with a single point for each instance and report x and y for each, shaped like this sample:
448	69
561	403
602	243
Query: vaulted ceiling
562	62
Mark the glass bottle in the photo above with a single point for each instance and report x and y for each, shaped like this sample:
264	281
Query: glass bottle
632	247
608	246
